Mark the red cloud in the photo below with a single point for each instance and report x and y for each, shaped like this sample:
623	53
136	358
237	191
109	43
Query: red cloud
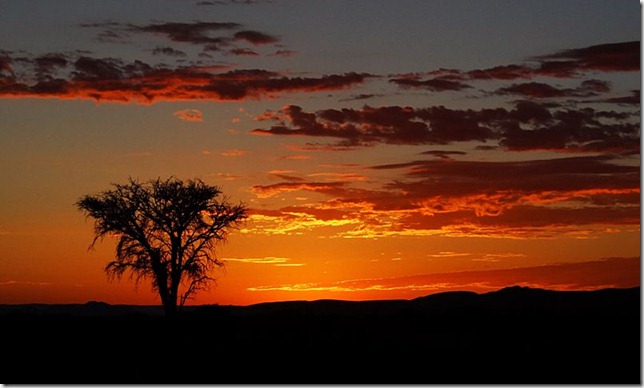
189	115
270	190
534	198
586	190
110	79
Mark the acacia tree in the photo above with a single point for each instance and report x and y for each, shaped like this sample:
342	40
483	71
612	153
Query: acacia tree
167	232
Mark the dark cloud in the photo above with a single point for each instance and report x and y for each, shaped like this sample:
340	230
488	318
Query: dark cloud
50	62
284	53
531	112
633	99
509	72
363	96
536	122
596	85
111	32
210	36
227	2
529	126
443	154
623	56
197	33
579	130
5	63
588	88
433	84
563	174
169	51
44	67
457	125
244	52
237	85
94	69
255	37
388	124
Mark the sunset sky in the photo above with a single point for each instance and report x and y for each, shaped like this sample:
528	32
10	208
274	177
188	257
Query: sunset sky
385	149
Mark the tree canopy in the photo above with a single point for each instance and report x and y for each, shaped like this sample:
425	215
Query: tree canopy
166	230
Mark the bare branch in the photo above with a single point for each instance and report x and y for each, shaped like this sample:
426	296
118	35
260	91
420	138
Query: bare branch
167	231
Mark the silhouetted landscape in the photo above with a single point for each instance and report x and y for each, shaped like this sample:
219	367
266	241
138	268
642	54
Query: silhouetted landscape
515	335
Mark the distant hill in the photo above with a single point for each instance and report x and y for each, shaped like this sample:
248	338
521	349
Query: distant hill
508	300
516	335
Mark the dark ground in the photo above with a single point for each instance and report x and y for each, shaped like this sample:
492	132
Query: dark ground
511	336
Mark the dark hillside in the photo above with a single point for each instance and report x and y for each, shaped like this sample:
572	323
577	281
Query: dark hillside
512	336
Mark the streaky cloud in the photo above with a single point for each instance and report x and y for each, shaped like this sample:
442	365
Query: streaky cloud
578	196
113	80
605	273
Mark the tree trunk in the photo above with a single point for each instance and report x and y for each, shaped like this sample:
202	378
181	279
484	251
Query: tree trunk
161	277
174	291
170	306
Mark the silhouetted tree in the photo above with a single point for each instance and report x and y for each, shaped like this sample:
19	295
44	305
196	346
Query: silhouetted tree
167	231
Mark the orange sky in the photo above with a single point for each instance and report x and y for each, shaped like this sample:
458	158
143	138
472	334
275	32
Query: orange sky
376	159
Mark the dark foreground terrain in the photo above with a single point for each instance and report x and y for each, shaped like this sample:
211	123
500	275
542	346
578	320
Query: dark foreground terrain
511	336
